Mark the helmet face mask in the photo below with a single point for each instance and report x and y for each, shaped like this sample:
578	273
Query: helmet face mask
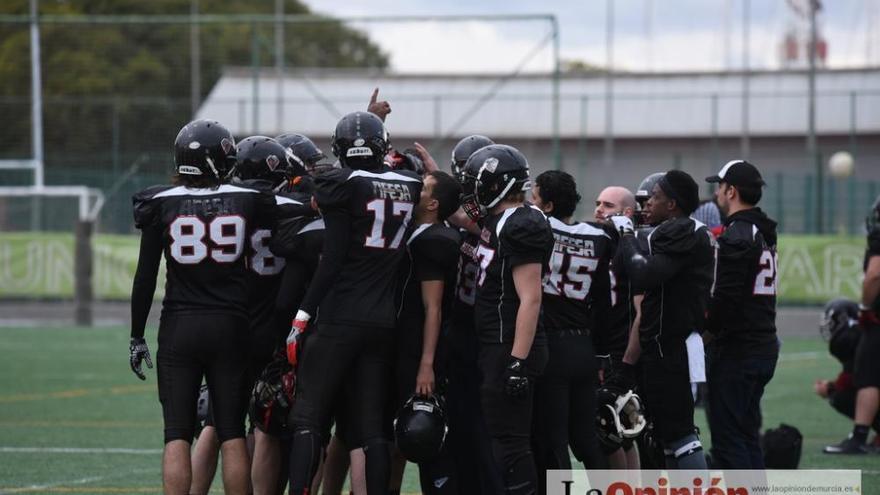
619	416
204	147
361	141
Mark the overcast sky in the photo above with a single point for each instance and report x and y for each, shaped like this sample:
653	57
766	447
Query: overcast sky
649	34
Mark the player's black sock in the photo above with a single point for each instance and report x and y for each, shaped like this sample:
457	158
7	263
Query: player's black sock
860	433
304	456
378	465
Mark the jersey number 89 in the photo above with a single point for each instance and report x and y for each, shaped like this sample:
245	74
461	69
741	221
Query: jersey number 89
187	239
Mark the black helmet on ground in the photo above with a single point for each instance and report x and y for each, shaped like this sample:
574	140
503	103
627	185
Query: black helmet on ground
204	147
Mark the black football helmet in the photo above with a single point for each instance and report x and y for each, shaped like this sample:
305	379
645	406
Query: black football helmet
203	409
204	147
619	415
420	428
306	154
646	187
360	141
839	314
464	149
261	157
490	173
272	396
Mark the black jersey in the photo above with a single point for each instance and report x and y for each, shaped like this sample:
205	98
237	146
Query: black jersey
514	237
676	275
432	255
205	235
872	250
577	289
742	310
366	215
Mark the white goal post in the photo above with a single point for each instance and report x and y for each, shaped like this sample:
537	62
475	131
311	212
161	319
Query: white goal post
90	202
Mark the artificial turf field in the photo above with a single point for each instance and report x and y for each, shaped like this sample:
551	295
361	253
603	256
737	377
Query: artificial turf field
74	419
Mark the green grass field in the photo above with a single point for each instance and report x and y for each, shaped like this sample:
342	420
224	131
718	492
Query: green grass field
74	419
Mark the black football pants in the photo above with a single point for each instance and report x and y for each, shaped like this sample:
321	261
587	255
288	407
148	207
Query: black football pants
192	346
509	419
332	355
565	404
468	438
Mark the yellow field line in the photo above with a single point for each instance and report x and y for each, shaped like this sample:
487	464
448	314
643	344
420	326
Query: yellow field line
78	392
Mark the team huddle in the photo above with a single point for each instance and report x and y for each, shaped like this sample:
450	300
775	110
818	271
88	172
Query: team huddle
463	320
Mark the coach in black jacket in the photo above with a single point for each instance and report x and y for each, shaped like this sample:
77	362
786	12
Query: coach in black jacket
741	324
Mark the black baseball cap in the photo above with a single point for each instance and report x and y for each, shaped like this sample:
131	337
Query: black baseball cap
738	173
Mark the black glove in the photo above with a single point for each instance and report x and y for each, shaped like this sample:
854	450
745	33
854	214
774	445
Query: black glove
137	353
516	381
623	377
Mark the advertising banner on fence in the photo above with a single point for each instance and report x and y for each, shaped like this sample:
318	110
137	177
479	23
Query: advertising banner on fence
812	269
711	482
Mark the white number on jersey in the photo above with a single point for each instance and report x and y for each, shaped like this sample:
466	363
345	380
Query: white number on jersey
574	280
187	239
484	257
765	281
398	209
263	261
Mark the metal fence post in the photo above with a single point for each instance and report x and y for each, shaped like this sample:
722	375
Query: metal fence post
780	202
809	204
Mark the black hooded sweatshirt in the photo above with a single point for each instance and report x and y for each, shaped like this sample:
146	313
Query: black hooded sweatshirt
742	309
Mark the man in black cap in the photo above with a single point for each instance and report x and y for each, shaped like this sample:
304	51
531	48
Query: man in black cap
741	324
675	273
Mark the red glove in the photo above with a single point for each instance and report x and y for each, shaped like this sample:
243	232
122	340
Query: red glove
297	330
867	317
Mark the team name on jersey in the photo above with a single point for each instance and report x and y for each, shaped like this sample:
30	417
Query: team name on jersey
207	207
395	192
573	245
469	250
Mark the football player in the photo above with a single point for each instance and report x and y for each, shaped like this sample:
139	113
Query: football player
741	322
576	303
468	438
515	246
839	327
429	282
366	211
676	273
202	225
867	366
611	342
